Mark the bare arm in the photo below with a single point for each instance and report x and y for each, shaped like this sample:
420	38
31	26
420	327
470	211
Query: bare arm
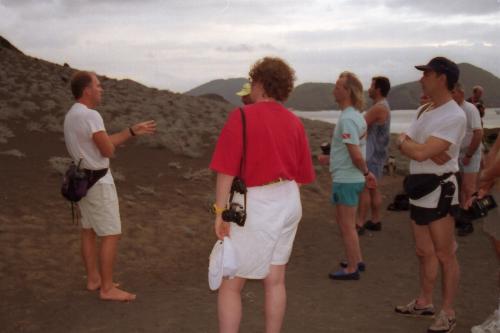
108	143
477	136
421	152
324	159
376	115
222	189
103	143
490	157
357	157
146	127
360	163
492	172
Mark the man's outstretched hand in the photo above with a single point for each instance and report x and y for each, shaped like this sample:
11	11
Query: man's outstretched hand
146	127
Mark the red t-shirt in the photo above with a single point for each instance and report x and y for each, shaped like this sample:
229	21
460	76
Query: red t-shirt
277	146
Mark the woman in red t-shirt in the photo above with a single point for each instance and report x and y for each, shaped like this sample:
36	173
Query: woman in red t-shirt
277	160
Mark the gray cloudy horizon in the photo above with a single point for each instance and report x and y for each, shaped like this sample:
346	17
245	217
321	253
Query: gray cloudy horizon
179	44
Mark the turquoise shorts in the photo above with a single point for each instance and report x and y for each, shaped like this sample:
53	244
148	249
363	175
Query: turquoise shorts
347	193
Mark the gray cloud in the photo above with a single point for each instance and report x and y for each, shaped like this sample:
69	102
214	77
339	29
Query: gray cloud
443	8
177	44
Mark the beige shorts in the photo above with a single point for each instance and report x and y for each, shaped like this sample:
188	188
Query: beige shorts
100	211
273	215
492	221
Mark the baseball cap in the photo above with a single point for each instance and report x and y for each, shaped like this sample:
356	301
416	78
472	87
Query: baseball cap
223	263
245	90
442	65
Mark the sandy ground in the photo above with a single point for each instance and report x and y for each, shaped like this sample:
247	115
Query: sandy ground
163	256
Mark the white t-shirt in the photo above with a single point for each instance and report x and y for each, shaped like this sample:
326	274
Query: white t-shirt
446	122
473	123
80	124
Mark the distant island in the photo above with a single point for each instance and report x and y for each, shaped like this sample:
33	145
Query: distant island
316	96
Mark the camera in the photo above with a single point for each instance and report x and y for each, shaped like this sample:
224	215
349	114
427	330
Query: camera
325	148
236	213
480	207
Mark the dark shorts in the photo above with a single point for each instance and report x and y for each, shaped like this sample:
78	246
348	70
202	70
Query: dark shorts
424	216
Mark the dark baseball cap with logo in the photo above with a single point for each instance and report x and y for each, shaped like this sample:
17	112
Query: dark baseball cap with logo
442	65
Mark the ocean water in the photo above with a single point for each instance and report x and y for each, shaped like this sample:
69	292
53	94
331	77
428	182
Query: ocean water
400	119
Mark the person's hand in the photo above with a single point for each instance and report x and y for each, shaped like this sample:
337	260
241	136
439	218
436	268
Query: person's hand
401	138
324	159
466	160
146	127
221	227
480	194
371	181
441	158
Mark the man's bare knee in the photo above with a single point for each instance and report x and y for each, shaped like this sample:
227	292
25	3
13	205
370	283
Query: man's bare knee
445	256
424	252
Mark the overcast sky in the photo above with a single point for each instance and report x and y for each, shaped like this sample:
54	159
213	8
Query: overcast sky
179	44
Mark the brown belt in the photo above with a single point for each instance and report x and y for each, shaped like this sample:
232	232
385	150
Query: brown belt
278	180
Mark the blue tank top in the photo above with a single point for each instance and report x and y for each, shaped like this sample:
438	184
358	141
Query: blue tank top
378	137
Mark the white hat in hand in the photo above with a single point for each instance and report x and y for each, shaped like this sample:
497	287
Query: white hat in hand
223	263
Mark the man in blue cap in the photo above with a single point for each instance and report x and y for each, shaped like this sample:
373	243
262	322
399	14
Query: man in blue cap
433	145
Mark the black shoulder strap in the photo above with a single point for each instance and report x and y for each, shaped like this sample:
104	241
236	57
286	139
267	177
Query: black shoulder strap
243	155
424	108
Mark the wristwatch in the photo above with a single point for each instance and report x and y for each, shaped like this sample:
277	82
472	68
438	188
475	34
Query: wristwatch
217	210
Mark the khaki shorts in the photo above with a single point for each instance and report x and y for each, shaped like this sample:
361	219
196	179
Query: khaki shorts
273	215
100	211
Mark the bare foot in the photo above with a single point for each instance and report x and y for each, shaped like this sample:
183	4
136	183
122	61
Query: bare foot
93	286
115	294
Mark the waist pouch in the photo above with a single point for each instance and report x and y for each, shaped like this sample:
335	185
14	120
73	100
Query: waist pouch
94	176
77	182
420	184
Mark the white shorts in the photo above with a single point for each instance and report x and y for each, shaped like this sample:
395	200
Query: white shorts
100	211
273	215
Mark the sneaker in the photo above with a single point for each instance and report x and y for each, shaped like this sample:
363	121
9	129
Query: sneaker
361	265
343	275
442	324
411	309
490	325
373	226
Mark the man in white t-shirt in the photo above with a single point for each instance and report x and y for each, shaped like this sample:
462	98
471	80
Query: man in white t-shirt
433	143
469	160
87	141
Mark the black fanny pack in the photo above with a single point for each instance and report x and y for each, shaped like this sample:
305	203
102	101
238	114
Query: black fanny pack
77	182
420	184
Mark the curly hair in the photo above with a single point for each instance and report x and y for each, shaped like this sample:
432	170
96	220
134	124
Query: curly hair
275	75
